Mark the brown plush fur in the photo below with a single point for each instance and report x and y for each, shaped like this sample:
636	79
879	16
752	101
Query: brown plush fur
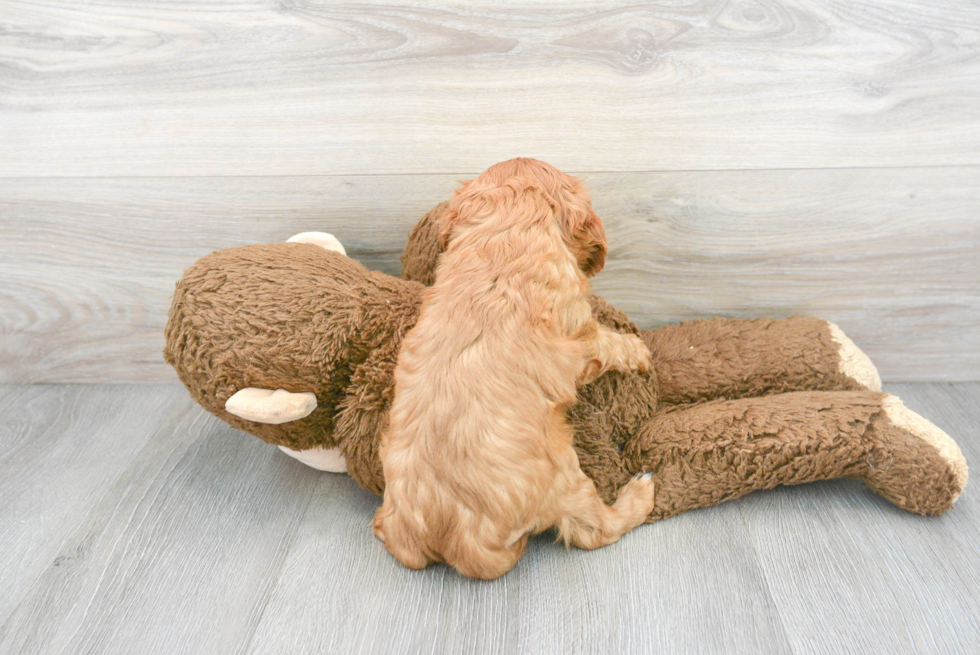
478	454
754	404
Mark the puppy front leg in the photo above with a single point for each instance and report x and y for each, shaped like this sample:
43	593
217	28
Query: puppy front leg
609	350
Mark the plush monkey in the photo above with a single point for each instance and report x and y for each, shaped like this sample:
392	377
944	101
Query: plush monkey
296	343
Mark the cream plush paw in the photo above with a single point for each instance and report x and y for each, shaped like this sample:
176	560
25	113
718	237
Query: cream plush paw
924	429
268	406
853	362
322	459
322	239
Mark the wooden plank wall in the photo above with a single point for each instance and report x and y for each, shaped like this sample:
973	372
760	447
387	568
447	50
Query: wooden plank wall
749	158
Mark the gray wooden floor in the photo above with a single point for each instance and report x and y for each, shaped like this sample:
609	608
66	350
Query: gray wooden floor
132	522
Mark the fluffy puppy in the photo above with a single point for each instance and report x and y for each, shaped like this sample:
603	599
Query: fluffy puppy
477	455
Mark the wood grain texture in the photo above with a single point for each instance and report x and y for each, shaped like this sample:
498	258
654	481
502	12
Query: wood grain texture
851	573
61	450
178	556
888	254
120	88
210	541
633	596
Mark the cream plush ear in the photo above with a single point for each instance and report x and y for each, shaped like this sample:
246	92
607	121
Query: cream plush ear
268	406
322	239
322	459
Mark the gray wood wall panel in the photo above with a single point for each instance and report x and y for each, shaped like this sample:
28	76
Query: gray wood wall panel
889	254
789	156
121	88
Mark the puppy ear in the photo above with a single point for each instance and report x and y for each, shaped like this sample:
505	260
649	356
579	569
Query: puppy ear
592	236
447	223
466	204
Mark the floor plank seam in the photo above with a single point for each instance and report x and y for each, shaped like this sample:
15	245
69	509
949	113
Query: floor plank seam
126	534
765	579
277	575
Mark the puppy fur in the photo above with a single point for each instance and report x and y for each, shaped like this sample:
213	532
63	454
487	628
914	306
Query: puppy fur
477	455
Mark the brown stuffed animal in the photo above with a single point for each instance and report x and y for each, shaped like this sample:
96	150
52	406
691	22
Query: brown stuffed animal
295	343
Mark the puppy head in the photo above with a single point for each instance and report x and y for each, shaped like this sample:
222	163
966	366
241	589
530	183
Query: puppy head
582	231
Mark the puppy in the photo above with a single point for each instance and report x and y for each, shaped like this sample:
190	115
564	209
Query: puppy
478	455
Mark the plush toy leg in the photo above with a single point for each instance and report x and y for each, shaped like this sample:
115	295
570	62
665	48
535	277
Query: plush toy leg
322	239
706	453
908	452
739	358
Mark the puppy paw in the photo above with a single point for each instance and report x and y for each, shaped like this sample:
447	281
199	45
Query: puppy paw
636	498
637	356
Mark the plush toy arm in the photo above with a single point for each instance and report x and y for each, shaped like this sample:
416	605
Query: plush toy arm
709	452
737	358
702	360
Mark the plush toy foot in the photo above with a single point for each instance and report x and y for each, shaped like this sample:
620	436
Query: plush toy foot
853	362
322	239
323	459
268	406
913	463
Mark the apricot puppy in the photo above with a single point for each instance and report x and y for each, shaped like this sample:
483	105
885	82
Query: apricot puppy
477	455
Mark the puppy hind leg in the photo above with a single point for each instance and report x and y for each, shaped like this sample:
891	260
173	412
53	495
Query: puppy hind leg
475	560
399	538
588	523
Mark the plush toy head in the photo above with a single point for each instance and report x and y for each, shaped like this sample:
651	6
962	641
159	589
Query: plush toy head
297	317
